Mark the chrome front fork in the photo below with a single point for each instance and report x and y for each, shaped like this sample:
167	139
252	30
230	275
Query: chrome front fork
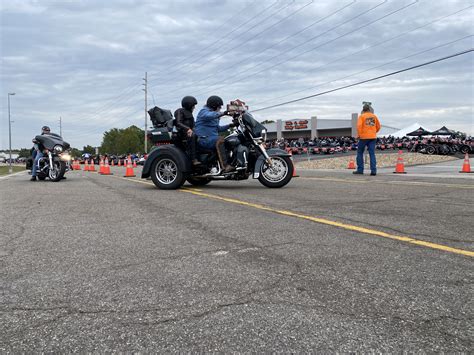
265	154
50	156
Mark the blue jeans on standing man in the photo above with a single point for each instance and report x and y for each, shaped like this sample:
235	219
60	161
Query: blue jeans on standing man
370	143
38	156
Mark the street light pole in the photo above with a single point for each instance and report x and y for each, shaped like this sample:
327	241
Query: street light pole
10	169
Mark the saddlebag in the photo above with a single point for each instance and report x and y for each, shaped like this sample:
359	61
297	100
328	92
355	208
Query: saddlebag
159	135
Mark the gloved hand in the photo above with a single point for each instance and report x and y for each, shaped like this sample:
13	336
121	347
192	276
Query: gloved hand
225	113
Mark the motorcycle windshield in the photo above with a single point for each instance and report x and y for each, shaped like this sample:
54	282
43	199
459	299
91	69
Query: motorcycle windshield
50	140
253	125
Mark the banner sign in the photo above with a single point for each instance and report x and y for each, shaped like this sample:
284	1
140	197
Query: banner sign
301	124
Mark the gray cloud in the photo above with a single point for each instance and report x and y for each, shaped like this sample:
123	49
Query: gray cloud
85	60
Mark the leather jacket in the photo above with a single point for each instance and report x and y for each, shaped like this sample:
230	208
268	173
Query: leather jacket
184	120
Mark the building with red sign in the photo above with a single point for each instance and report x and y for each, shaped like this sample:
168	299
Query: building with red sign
314	128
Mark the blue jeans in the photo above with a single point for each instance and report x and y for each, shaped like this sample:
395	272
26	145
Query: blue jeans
370	143
208	142
39	155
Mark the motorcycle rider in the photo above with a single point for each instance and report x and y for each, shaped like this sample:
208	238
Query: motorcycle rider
185	124
207	129
38	152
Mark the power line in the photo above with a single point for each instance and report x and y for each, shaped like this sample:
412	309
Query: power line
316	47
214	43
125	96
366	81
111	100
379	66
253	37
282	40
363	50
218	28
118	116
204	90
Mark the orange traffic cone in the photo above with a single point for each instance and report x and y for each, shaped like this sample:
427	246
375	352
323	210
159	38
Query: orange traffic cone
294	172
86	165
466	166
119	162
92	166
101	166
113	164
129	170
106	170
134	164
400	167
78	166
351	164
294	168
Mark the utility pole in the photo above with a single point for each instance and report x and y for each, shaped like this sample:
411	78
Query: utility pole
60	127
10	168
146	106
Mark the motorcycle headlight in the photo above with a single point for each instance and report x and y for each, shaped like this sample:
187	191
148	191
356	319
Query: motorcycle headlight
58	149
65	157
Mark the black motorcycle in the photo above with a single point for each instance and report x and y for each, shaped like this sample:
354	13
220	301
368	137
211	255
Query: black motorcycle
169	166
55	160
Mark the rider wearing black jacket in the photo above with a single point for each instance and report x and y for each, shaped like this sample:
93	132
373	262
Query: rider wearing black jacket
185	125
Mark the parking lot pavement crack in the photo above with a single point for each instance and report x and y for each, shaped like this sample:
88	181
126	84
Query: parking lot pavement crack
245	299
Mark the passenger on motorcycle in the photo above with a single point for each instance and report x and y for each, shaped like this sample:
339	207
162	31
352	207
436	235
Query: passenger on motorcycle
185	124
37	153
207	129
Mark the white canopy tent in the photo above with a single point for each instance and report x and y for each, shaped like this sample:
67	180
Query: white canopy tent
403	132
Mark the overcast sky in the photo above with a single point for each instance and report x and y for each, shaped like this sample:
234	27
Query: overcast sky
85	60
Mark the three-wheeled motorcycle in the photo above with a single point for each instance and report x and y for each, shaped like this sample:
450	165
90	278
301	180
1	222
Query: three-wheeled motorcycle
169	166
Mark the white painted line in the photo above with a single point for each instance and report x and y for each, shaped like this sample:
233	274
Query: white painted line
10	175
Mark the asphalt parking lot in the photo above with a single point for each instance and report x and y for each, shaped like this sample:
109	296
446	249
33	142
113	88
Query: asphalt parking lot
332	262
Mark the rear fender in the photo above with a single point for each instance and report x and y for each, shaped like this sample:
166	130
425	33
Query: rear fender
274	152
184	164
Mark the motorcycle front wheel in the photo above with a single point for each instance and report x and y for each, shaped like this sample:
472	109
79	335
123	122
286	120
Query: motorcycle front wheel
277	175
57	171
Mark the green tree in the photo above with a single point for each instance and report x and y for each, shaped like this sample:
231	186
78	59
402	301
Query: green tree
123	141
110	141
76	153
88	149
24	153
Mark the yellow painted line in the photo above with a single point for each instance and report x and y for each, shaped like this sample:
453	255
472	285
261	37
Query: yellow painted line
420	183
320	220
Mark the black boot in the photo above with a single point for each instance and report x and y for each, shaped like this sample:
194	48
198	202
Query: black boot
222	156
33	178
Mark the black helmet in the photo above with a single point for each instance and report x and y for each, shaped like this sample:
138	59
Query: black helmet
188	102
45	128
213	102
